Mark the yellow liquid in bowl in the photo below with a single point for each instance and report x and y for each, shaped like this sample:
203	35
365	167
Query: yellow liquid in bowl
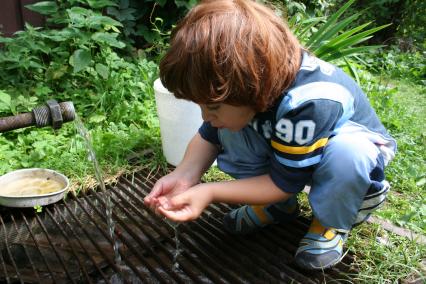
31	186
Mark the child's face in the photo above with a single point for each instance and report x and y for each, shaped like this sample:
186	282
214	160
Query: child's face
227	116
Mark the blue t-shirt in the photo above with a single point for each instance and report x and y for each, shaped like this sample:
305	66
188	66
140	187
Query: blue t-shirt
322	102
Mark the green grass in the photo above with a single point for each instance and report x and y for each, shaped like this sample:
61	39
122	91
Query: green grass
383	257
405	117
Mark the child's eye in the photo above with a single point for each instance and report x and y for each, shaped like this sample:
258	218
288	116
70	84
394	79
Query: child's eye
213	107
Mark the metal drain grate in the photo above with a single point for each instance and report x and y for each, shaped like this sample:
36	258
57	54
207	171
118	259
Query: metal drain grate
69	243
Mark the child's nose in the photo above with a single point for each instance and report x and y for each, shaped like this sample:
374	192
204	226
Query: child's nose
205	115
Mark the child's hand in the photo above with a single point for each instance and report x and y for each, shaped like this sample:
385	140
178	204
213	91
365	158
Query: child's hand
186	206
167	186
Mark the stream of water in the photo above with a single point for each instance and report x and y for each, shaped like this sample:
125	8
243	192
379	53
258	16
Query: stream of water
178	250
110	222
99	176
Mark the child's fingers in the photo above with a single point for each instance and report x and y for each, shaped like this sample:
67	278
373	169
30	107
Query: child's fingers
180	215
163	202
155	192
177	202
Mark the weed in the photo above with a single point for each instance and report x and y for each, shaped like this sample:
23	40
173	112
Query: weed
38	208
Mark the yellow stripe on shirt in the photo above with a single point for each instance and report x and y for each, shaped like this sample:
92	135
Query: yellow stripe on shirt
300	149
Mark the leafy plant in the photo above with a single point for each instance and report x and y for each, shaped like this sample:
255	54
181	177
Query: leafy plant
140	18
84	58
38	208
331	41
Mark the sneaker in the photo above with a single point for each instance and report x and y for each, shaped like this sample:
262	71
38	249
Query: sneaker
320	248
373	200
249	218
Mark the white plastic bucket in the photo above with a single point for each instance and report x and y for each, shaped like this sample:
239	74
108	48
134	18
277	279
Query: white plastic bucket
179	122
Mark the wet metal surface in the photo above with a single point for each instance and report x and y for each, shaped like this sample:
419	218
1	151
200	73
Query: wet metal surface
69	243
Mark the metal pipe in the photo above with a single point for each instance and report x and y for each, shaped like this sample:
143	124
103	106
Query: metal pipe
52	114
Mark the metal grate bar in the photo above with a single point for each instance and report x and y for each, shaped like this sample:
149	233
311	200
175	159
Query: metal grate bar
146	185
24	247
203	235
293	231
88	235
253	250
193	261
61	229
213	224
3	265
230	250
298	229
61	260
38	248
8	250
70	242
229	274
152	238
85	250
150	266
205	257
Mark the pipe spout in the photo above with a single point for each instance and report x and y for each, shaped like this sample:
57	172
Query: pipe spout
52	114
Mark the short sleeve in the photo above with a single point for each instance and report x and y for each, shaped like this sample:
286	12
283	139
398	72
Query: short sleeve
209	133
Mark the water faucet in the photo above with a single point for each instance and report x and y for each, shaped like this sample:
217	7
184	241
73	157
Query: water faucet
51	114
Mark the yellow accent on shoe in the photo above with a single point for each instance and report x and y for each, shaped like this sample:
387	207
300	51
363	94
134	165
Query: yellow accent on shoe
319	229
260	213
329	234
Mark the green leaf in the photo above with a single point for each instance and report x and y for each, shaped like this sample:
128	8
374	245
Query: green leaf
339	38
329	23
348	42
108	38
421	182
80	11
5	101
96	21
96	4
5	40
56	72
38	208
102	70
333	31
80	59
63	35
44	7
350	51
97	118
360	37
309	24
352	71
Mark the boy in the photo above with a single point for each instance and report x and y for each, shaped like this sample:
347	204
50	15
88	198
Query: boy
276	118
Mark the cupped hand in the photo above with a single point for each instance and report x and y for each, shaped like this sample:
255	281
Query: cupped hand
167	186
186	206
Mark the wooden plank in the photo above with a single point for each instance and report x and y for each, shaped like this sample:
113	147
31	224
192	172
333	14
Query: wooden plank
10	17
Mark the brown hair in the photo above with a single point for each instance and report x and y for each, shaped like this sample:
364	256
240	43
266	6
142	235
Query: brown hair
232	51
